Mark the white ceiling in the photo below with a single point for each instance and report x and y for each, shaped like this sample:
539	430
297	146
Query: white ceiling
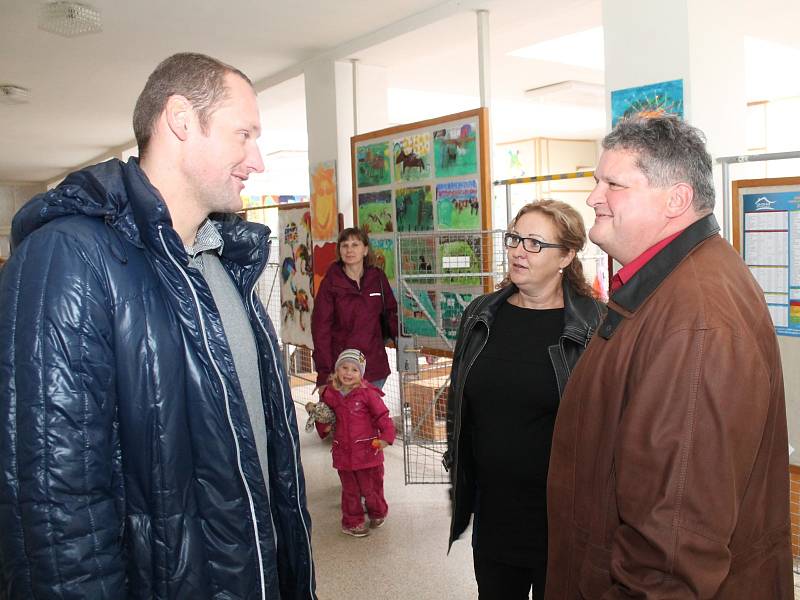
83	89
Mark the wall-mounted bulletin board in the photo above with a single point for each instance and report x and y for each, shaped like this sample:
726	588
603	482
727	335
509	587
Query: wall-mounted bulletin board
766	232
426	186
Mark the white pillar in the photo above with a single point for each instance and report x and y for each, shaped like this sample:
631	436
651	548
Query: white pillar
335	100
329	119
484	71
701	42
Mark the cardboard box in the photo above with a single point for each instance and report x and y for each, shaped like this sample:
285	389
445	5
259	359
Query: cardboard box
428	402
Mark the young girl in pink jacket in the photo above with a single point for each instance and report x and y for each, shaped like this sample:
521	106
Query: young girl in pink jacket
363	429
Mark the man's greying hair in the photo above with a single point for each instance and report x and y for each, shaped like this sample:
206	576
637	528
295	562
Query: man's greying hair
197	77
668	151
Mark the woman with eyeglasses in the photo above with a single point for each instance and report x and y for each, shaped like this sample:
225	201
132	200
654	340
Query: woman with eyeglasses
515	350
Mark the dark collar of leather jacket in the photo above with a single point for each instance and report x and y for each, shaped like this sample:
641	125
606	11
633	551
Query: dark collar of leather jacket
578	311
628	298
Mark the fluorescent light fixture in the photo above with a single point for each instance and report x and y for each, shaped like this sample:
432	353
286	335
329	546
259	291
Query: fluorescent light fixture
580	93
582	49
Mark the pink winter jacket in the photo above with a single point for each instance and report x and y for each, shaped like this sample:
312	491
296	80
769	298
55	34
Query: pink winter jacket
361	416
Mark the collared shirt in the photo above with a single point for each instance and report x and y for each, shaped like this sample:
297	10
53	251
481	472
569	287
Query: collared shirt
624	275
207	238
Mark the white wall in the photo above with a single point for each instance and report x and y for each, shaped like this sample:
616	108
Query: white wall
12	197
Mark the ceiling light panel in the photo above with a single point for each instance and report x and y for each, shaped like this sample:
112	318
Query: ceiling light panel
69	19
582	49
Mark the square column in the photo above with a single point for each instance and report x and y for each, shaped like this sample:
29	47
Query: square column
698	41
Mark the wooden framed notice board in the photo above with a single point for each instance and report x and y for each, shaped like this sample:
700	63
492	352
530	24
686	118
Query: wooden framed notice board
422	192
766	232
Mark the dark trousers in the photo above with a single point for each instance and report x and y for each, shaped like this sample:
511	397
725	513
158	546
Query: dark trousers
367	483
500	581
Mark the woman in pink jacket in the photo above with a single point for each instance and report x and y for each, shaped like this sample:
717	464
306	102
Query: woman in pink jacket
347	310
363	429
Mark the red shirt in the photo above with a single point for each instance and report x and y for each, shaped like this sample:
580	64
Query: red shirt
624	275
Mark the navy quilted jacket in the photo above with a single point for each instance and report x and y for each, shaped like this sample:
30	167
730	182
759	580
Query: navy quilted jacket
127	462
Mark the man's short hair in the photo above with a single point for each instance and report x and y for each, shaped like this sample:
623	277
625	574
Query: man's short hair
197	77
668	151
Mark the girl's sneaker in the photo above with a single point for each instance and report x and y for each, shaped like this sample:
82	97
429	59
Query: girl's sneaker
375	523
359	531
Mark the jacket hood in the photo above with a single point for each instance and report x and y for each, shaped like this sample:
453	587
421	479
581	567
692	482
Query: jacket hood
121	195
96	191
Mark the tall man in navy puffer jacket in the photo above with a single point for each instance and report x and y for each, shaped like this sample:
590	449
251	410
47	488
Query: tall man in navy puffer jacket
148	441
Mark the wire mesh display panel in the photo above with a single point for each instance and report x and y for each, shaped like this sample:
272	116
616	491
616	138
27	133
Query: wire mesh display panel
439	274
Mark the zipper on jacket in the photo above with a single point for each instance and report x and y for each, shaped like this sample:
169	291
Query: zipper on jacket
457	424
227	411
291	438
266	478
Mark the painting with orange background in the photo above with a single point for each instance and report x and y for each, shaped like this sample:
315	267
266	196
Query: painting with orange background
323	201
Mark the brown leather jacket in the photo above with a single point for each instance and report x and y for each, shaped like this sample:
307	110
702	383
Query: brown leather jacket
669	467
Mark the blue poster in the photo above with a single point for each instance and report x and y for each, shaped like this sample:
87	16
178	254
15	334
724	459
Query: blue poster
648	100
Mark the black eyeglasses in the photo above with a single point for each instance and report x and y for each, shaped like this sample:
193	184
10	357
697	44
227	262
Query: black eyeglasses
512	240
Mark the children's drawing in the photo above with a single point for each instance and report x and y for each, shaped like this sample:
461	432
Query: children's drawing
648	100
383	252
324	256
414	207
457	205
455	150
418	312
413	158
417	255
373	164
452	306
294	225
462	255
323	201
375	211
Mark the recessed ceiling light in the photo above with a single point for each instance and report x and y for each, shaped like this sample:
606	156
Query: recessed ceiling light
582	49
69	19
13	94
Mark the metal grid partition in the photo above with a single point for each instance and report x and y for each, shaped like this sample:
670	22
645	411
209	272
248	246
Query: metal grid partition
439	274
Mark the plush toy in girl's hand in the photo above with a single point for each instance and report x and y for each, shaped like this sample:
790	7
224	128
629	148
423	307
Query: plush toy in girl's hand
321	413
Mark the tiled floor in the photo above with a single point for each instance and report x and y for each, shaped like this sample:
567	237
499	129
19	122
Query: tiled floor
406	559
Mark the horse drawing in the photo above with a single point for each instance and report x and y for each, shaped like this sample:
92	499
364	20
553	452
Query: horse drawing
450	154
409	161
372	164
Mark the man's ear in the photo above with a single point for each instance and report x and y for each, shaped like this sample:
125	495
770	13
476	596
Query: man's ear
681	196
178	113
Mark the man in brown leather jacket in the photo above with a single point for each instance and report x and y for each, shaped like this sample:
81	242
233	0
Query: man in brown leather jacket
669	467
